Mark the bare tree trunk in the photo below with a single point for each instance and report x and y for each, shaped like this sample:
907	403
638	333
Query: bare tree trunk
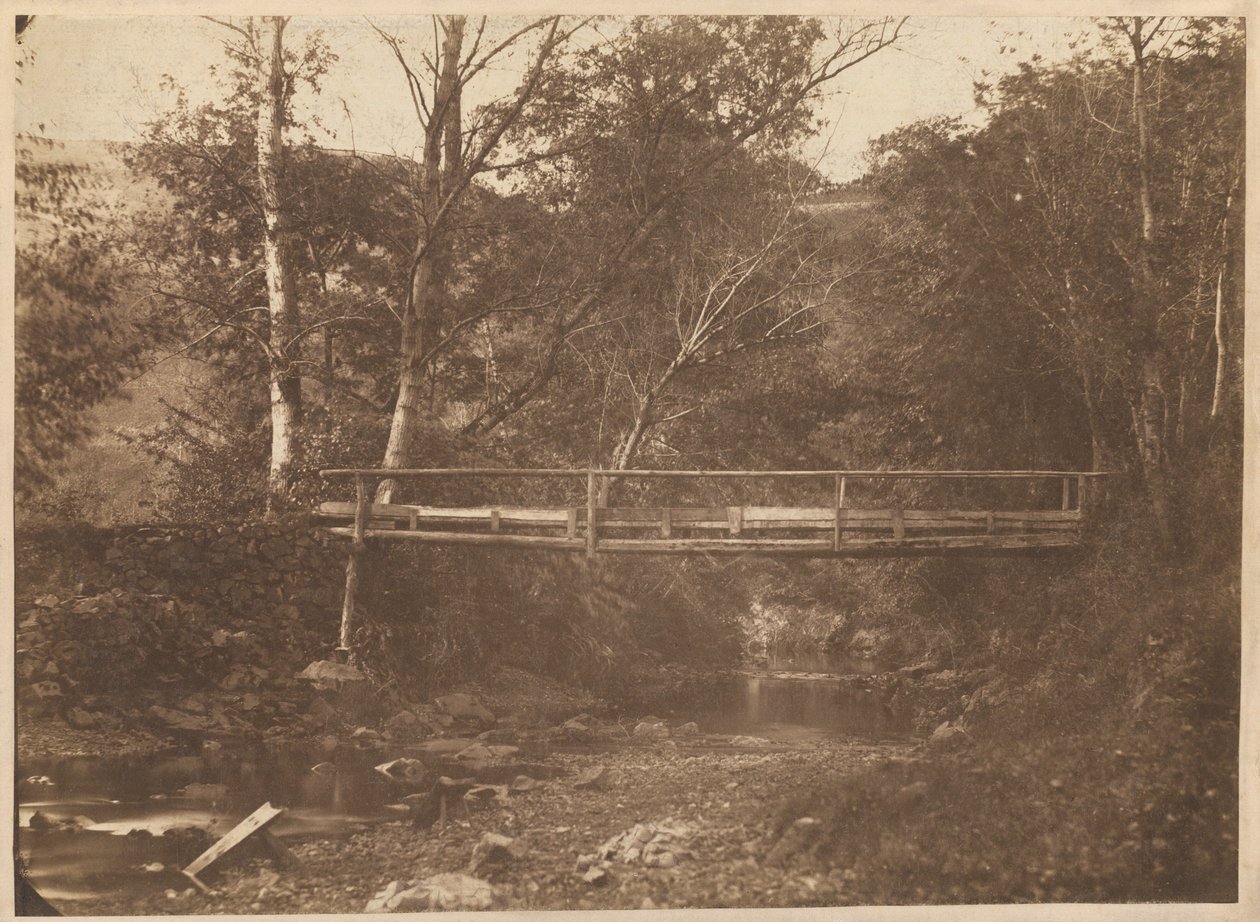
1097	452
1218	330
286	390
1151	447
1218	327
427	277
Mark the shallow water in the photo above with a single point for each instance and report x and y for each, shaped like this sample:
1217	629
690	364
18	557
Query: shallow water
214	790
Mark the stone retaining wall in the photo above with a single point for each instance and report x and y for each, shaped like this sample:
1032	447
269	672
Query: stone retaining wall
226	606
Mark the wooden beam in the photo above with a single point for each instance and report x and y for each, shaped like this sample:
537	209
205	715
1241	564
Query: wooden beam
257	821
556	542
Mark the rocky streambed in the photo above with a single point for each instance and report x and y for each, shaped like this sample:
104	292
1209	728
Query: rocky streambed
575	813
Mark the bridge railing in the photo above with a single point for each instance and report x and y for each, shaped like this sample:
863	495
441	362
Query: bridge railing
834	525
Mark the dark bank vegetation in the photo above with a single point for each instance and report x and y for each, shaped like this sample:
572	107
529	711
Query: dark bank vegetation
656	279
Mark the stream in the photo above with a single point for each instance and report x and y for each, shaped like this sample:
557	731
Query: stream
133	815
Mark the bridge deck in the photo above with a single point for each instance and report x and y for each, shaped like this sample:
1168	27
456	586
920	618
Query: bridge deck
837	530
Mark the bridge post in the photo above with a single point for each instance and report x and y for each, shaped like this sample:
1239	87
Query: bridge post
1067	493
352	567
592	502
840	512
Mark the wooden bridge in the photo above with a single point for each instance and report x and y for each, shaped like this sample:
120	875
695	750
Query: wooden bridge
864	514
1049	514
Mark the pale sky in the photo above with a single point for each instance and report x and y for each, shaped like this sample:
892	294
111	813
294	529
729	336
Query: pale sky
100	78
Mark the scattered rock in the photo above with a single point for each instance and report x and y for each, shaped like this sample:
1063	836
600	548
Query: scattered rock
649	730
153	867
43	780
321	712
484	793
796	838
365	735
946	736
597	876
494	849
42	821
406	725
754	741
326	768
454	892
656	845
407	771
330	675
498	735
466	708
476	752
80	719
522	783
578	728
47	689
691	728
598	777
178	720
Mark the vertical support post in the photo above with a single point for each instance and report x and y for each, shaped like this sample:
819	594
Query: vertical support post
667	522
1067	493
1080	494
840	512
989	525
592	527
352	566
495	517
570	527
735	520
898	522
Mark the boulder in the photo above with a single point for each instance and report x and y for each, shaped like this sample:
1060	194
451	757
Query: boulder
647	730
753	741
452	892
406	771
466	708
946	736
406	725
487	793
178	720
796	838
691	728
579	728
597	777
80	719
494	850
329	675
596	876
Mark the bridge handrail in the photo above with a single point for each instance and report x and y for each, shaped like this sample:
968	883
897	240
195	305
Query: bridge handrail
337	473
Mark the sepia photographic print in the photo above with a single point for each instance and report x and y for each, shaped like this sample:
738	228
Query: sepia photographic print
509	460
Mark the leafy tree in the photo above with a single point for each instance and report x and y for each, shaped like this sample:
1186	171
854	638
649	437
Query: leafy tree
75	344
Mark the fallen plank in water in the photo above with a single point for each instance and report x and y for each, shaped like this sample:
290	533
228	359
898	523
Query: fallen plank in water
256	822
